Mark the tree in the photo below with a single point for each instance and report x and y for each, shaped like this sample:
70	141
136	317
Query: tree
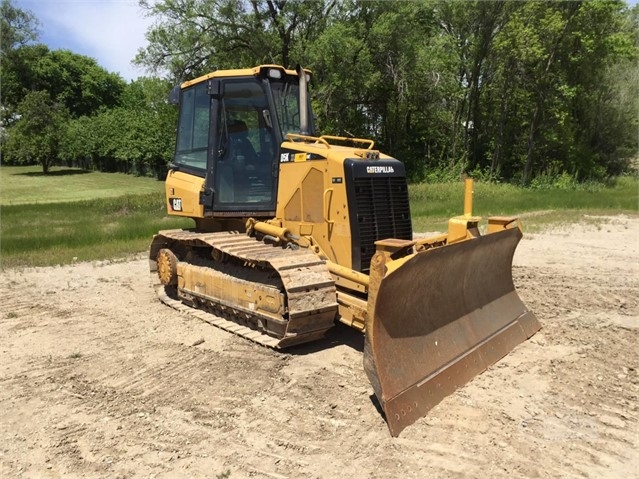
551	89
191	37
147	120
37	135
508	90
75	80
137	137
605	89
17	27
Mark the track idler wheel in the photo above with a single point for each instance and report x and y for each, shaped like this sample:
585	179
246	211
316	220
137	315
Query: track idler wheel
167	267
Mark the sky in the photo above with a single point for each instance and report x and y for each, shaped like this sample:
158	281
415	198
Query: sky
110	31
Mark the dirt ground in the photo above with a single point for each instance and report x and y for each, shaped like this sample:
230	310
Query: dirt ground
98	379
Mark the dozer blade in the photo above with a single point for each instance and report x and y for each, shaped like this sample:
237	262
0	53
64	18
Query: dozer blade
439	319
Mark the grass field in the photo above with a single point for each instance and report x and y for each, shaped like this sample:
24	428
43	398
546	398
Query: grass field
58	233
75	216
21	185
433	204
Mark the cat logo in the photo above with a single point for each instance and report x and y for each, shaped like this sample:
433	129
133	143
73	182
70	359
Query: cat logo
176	204
379	169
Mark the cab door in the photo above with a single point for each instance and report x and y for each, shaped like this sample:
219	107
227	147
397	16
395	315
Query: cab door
245	159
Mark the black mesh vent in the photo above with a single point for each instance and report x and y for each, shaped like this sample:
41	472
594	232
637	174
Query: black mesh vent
382	211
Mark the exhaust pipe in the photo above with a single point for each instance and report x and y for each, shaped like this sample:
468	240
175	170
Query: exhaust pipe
304	129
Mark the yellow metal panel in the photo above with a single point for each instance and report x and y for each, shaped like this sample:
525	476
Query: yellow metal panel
312	190
293	209
215	285
499	223
314	177
183	194
306	229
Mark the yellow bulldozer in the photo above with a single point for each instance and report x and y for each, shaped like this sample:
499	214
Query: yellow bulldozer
295	231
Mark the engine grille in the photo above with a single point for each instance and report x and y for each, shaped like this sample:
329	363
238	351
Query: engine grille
383	212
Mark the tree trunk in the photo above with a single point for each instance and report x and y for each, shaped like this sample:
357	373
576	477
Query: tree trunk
496	161
531	141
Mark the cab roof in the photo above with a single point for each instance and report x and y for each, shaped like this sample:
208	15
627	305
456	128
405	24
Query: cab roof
240	72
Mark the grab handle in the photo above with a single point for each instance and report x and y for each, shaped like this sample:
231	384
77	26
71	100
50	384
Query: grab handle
326	205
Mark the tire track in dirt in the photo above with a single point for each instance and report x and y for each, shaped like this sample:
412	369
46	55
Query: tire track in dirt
590	310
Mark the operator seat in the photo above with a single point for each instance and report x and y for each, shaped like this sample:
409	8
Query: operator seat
241	161
241	151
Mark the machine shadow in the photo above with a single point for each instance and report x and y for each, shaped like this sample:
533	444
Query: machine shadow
337	336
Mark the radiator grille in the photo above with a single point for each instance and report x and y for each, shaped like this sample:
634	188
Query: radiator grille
383	212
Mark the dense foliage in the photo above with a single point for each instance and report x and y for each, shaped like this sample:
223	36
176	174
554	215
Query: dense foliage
508	90
136	137
61	107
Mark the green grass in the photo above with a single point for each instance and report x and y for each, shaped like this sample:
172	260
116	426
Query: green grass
72	216
433	204
27	184
77	215
60	233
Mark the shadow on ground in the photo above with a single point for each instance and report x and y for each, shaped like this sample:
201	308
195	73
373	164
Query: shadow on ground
67	172
338	335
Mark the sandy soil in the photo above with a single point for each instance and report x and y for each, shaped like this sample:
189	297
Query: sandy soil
98	379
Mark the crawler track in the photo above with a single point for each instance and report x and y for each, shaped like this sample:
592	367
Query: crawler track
229	290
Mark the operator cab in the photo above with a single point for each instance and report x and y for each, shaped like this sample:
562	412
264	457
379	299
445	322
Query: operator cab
231	125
